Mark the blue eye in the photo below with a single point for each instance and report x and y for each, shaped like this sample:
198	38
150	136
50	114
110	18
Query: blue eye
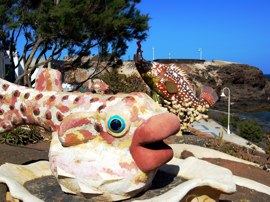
116	124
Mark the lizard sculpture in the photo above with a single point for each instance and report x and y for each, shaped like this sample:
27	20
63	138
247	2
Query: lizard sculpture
171	87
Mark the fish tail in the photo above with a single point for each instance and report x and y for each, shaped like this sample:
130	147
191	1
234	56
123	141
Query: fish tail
9	115
21	105
209	95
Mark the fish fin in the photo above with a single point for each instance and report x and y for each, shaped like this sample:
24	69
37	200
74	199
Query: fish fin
179	72
209	95
171	86
49	80
156	97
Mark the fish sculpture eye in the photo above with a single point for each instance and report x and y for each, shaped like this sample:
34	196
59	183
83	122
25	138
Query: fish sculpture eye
116	125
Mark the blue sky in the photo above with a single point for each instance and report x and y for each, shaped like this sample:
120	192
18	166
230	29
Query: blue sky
232	30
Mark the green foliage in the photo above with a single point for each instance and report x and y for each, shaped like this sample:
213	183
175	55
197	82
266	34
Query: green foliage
123	83
156	97
250	130
247	129
77	26
21	136
267	144
234	120
83	89
74	23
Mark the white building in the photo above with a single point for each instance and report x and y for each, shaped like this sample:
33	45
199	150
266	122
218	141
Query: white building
5	63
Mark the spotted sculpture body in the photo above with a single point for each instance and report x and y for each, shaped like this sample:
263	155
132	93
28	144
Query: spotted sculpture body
172	84
89	152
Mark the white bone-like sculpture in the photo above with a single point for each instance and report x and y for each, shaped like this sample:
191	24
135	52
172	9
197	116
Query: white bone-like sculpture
202	152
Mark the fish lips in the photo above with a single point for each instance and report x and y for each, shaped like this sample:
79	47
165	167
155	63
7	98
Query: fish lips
147	148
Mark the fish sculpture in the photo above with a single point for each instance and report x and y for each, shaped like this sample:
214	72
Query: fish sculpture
102	145
170	86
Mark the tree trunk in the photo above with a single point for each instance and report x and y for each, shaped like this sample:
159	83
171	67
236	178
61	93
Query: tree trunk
27	66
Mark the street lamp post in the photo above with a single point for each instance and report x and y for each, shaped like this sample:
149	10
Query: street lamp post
229	106
153	51
200	50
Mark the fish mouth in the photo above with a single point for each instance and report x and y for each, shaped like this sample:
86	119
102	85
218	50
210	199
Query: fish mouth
148	148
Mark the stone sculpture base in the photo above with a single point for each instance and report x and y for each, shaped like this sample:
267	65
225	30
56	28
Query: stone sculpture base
35	182
47	189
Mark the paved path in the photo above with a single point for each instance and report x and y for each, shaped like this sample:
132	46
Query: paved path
20	155
214	129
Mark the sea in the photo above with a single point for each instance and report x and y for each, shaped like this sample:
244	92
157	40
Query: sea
263	118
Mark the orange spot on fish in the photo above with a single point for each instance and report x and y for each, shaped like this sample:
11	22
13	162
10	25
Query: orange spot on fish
76	100
98	127
36	111
134	114
109	171
26	95
129	100
86	134
16	93
5	86
22	108
70	140
38	96
107	137
59	116
111	98
72	123
128	166
101	107
65	97
94	99
48	115
62	108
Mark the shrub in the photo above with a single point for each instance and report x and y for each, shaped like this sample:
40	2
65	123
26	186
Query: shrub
250	130
121	83
21	135
233	122
268	144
